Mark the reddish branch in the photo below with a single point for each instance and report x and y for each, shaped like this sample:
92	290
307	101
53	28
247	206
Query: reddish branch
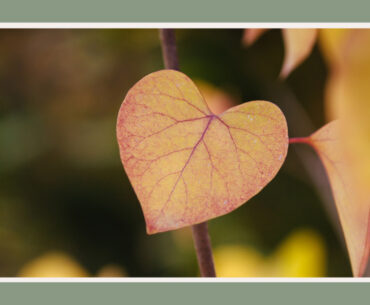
203	248
201	237
169	50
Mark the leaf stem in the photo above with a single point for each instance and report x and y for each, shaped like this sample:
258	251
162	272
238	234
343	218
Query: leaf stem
305	140
202	241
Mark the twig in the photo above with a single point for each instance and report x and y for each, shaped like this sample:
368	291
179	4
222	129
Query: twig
201	237
203	248
169	50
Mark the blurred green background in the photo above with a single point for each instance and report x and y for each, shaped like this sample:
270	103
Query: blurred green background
63	189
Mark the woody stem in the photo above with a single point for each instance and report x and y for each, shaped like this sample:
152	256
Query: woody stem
202	241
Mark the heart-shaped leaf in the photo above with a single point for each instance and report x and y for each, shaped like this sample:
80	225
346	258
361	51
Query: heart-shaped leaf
351	197
188	165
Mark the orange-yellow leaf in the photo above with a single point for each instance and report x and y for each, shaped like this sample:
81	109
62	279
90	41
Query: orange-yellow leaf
351	198
188	165
251	35
347	98
332	43
298	44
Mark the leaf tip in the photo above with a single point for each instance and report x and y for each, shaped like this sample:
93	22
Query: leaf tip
298	44
150	227
365	258
288	67
250	36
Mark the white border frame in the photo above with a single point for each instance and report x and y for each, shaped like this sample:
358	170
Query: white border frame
182	280
180	25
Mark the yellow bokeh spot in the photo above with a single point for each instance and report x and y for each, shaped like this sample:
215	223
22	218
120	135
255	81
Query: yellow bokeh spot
237	261
301	254
53	264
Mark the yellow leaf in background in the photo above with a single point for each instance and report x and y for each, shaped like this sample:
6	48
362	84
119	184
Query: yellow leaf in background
251	35
298	45
332	42
188	165
53	264
348	98
218	101
301	254
351	192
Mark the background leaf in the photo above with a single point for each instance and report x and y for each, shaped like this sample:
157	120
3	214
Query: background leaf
348	95
218	101
298	45
332	42
251	35
352	199
188	165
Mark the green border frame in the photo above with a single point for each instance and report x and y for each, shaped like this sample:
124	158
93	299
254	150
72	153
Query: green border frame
184	11
184	293
187	293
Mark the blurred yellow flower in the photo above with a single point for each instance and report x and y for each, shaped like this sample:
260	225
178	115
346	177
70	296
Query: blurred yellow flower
53	264
302	254
238	261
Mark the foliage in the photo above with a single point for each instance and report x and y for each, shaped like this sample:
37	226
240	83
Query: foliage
188	165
